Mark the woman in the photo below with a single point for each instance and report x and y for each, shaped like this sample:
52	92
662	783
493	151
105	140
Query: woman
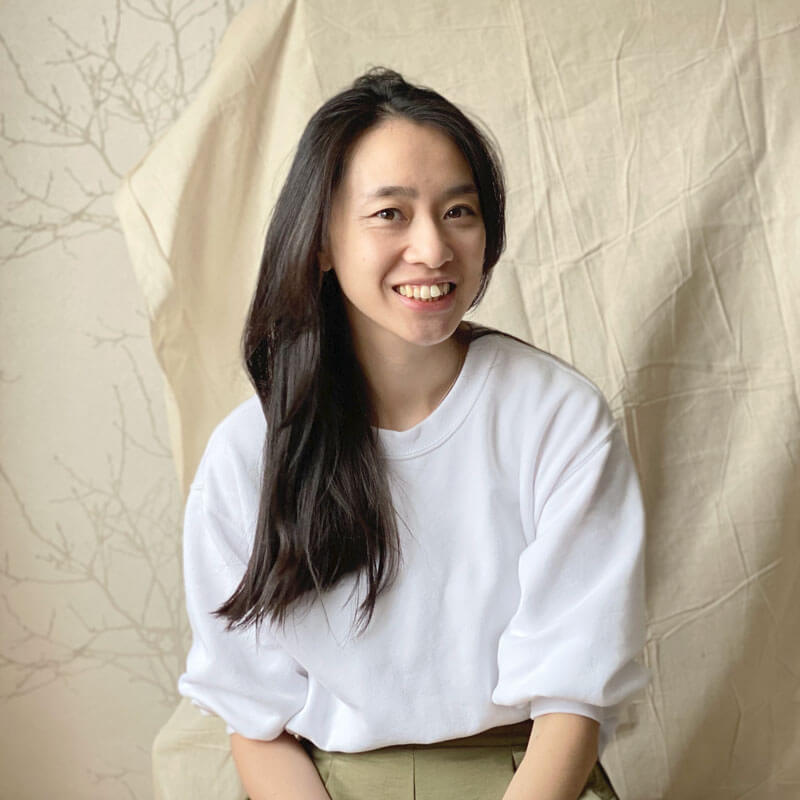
413	559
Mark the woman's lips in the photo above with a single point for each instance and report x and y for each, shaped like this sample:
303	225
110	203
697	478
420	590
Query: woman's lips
444	303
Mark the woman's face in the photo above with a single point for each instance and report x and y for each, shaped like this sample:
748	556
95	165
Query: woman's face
406	214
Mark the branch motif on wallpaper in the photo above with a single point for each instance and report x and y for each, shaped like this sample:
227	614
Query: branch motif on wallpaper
91	109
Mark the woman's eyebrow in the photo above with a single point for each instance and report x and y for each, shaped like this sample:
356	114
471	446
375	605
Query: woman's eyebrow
410	191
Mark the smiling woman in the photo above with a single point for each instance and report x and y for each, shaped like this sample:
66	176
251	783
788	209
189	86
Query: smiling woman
378	543
390	262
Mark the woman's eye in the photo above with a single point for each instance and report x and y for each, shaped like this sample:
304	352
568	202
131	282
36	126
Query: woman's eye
459	211
390	214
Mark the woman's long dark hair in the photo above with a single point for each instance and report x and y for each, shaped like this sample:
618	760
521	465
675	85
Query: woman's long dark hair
326	509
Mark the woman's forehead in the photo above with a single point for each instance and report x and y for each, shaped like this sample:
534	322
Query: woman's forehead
403	157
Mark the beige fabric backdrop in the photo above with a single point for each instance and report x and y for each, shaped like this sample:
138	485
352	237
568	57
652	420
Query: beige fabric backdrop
92	627
652	159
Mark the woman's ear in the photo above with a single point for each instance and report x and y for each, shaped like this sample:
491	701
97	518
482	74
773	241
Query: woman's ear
324	261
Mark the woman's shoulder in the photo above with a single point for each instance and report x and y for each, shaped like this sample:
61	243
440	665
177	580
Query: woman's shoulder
222	505
242	430
554	409
233	452
523	368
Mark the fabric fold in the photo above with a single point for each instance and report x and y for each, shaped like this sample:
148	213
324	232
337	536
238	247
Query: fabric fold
243	676
571	645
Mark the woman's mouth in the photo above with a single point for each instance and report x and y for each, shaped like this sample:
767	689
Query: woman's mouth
427	293
429	298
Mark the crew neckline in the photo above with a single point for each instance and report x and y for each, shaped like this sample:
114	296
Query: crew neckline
443	421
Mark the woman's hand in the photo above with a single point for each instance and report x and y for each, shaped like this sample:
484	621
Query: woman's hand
561	752
279	769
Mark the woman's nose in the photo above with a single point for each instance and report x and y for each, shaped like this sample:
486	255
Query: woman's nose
427	244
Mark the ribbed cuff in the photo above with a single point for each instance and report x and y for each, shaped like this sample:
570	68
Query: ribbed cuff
555	705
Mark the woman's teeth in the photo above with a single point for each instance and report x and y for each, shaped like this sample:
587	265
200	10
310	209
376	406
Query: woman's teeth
429	293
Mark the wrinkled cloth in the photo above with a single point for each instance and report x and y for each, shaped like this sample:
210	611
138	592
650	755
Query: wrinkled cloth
652	161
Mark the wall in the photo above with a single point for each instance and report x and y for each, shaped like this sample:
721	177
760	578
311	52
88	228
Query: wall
93	629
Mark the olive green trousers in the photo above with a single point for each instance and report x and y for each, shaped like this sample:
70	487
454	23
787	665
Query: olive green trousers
476	767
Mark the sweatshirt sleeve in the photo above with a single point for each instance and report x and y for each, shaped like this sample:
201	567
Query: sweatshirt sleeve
571	644
245	678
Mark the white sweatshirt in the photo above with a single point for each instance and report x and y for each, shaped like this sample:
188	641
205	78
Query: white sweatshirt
521	590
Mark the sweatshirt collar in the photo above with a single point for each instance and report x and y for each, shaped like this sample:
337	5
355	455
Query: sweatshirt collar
440	424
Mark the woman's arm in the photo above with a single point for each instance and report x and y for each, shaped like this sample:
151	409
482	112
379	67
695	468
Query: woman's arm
279	769
561	752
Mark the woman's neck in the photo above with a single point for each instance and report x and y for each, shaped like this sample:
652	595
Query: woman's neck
407	385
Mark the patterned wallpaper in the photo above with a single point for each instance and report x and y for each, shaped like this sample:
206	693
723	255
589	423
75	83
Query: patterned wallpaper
92	628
